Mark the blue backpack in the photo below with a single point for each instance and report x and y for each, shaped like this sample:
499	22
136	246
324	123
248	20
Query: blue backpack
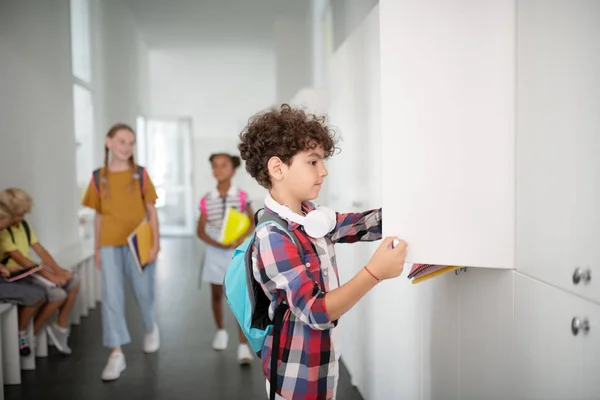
247	300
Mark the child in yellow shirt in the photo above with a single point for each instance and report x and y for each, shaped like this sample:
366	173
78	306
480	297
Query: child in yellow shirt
23	293
61	285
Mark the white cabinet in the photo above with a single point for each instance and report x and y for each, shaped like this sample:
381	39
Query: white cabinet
486	334
591	351
558	142
439	337
447	106
548	359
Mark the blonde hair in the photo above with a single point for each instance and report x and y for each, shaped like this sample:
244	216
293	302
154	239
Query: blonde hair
4	211
16	200
109	135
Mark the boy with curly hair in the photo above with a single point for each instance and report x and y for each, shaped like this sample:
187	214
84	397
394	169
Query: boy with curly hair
285	150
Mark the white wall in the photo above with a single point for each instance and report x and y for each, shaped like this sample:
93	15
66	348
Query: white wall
347	16
36	114
121	69
219	88
293	55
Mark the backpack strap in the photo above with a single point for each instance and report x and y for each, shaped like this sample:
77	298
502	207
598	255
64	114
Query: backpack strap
277	325
27	230
203	205
267	216
143	178
282	307
243	199
96	178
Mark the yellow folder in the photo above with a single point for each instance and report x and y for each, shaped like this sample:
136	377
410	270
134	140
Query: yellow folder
434	274
140	243
235	224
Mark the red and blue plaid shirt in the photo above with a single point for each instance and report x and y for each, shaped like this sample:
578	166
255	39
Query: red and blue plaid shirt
308	364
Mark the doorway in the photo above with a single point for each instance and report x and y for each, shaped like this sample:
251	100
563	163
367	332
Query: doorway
164	148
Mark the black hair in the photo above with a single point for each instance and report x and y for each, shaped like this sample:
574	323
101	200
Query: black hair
235	160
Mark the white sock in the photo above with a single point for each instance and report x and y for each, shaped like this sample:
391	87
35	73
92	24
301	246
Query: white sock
60	328
22	333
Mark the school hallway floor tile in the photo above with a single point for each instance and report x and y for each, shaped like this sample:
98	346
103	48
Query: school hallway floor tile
185	367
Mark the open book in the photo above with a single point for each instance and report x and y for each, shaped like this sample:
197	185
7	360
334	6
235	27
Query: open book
235	224
22	273
140	243
422	272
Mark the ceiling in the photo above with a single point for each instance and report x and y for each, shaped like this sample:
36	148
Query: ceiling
189	23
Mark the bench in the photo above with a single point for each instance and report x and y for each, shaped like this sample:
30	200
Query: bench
78	258
10	368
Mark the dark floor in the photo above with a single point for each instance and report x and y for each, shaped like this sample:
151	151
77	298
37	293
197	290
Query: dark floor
186	367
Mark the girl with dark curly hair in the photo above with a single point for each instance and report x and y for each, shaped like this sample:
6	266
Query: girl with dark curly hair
213	208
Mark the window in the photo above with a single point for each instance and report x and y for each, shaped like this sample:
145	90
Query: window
83	104
84	134
81	40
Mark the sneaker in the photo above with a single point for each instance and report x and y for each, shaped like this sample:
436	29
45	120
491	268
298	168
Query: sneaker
244	354
114	367
221	339
24	349
60	337
152	341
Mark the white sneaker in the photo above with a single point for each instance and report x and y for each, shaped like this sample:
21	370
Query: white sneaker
152	341
244	354
114	367
59	338
221	339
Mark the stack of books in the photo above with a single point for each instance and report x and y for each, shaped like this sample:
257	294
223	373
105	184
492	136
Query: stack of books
140	242
422	272
235	225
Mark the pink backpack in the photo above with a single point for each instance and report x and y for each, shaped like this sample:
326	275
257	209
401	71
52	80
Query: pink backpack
243	198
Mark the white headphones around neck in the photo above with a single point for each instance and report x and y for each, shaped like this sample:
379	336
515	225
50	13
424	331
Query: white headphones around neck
317	223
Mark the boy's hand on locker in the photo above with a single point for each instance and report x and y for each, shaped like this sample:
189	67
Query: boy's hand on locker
388	260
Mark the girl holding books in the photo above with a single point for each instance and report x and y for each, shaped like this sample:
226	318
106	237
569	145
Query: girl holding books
214	208
123	196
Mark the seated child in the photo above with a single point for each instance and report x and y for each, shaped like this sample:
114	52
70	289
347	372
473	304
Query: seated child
28	297
61	285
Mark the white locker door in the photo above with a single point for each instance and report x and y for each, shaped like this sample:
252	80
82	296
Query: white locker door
558	142
547	359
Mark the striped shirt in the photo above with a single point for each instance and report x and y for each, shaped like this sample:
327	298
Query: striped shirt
214	206
308	357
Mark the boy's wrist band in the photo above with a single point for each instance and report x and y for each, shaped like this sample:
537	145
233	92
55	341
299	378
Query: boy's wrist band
372	274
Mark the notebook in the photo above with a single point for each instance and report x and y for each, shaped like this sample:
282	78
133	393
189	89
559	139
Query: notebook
140	243
235	224
22	273
423	272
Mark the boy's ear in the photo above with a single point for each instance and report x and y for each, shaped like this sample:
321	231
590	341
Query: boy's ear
276	167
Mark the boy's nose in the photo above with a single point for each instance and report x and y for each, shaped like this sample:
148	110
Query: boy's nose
324	172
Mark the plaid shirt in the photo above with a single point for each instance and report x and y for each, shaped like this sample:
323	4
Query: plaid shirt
308	364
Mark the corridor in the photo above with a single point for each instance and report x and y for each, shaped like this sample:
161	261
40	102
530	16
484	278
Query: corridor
185	367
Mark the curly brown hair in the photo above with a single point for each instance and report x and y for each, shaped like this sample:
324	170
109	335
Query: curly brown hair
282	132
